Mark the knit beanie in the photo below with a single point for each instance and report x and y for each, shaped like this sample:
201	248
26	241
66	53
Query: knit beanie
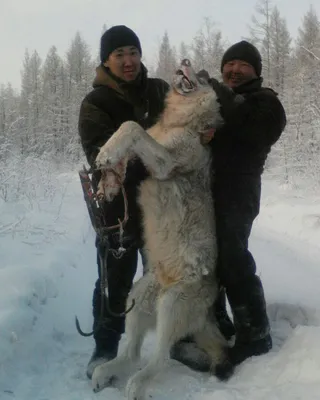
117	36
244	51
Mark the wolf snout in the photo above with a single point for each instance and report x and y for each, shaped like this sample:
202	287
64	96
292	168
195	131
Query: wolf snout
186	62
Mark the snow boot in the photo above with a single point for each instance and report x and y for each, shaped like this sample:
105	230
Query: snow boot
243	350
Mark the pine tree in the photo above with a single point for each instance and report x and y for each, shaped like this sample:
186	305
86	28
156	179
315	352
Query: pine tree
9	116
167	62
79	72
54	82
31	103
183	52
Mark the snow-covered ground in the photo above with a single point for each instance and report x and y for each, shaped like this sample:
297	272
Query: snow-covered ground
48	270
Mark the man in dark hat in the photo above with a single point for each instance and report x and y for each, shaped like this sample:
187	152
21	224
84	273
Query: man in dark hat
254	120
121	92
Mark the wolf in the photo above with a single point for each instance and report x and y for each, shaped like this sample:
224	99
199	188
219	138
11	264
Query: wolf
180	285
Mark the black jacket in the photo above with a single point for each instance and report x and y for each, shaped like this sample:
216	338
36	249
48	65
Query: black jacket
102	111
253	123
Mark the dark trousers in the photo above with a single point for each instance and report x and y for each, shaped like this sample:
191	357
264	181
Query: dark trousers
237	269
120	275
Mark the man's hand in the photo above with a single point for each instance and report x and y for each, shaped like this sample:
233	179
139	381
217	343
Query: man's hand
228	99
203	74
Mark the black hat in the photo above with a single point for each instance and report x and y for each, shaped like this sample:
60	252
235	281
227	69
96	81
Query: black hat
117	36
244	51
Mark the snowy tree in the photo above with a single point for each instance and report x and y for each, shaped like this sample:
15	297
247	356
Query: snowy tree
301	141
167	62
280	66
79	70
308	66
54	85
183	52
9	115
79	66
308	62
280	49
208	48
261	35
42	119
31	102
308	42
3	113
214	47
270	34
199	54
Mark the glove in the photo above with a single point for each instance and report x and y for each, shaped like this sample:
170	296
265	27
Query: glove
203	74
228	99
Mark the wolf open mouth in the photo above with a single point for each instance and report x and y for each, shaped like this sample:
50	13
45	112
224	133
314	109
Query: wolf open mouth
185	80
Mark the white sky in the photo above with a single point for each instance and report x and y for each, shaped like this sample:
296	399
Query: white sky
39	24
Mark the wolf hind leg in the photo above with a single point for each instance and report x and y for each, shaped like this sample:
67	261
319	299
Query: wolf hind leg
213	343
138	321
179	312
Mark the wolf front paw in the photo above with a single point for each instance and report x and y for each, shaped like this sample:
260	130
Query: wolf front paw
106	158
110	183
102	377
135	389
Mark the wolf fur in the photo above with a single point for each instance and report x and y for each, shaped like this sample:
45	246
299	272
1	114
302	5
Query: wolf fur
179	235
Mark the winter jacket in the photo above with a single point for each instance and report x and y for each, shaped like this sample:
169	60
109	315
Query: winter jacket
110	103
254	120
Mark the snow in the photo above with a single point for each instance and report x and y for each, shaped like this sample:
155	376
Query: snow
47	276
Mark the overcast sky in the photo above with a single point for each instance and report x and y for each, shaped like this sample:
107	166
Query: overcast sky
39	24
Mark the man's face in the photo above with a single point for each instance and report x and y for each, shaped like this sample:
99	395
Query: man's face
236	72
125	63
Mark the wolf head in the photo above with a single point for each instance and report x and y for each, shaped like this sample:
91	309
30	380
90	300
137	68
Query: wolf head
185	80
191	100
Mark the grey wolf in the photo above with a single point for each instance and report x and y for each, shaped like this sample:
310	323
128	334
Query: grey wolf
174	296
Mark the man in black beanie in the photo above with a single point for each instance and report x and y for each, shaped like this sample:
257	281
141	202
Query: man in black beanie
121	92
254	120
240	63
